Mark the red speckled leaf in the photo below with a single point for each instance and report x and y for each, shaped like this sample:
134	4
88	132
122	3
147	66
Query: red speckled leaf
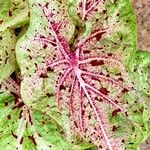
78	53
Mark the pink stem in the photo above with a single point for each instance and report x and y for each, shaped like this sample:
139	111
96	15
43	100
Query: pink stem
84	9
78	52
44	40
70	102
83	86
80	44
59	43
57	63
61	48
105	97
104	78
93	5
81	115
61	83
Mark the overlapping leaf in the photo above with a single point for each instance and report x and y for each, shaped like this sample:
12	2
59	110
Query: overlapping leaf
22	128
13	13
7	56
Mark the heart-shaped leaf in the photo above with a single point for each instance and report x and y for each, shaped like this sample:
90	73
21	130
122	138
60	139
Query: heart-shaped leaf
80	54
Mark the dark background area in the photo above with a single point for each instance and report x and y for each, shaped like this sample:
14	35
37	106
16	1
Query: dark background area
142	10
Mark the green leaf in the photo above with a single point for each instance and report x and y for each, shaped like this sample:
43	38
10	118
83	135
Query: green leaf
25	129
7	54
13	13
140	68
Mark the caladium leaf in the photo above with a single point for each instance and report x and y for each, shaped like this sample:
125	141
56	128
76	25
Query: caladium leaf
13	13
76	58
7	54
22	128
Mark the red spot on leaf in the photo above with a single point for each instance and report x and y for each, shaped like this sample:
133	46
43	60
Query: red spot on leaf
107	75
39	135
45	46
123	141
32	139
97	62
94	78
10	13
30	119
82	112
21	104
120	79
100	147
21	141
105	11
114	128
30	57
99	35
20	114
6	103
98	99
53	44
1	21
125	90
14	135
8	117
126	113
118	74
43	122
115	112
104	91
110	54
50	69
86	51
49	94
46	5
43	75
62	87
80	4
75	124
